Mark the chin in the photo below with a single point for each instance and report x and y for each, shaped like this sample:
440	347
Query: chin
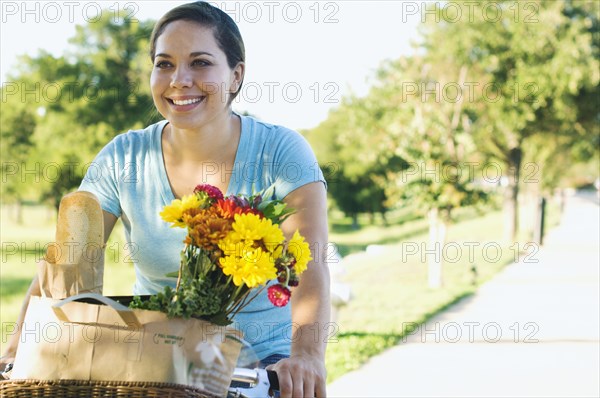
185	124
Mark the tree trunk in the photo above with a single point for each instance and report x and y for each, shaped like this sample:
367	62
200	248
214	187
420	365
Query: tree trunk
511	196
384	218
437	239
355	221
19	214
16	212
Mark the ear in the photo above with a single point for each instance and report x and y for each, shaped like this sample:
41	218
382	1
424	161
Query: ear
237	76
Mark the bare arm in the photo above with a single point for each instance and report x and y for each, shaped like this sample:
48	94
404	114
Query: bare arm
34	290
304	374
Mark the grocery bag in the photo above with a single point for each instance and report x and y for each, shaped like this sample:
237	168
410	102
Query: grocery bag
69	339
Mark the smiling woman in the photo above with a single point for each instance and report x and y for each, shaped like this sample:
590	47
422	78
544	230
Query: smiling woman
198	73
198	57
185	82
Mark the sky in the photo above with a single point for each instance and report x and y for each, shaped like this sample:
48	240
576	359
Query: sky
302	57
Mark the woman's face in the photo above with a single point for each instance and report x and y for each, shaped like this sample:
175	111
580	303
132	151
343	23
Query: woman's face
191	81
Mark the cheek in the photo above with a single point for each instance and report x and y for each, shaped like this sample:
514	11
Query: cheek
214	76
152	82
218	82
156	85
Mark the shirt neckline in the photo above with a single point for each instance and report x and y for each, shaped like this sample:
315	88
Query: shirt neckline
159	160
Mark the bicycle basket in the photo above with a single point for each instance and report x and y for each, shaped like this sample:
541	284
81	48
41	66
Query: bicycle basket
96	389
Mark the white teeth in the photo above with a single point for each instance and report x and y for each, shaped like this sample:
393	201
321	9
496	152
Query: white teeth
187	102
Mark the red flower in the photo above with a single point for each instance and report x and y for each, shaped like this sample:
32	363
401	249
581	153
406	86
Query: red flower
210	190
229	207
279	295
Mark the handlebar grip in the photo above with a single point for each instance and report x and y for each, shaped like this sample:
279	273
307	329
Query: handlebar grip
273	380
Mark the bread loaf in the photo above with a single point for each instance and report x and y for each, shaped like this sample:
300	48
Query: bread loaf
79	228
75	263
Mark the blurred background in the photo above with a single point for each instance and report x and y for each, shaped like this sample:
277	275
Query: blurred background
451	135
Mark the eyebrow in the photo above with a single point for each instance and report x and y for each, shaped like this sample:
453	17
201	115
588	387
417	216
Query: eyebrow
194	54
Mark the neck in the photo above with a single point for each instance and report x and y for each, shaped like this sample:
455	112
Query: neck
210	143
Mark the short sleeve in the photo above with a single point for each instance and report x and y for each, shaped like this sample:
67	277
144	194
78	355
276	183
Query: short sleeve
295	164
101	179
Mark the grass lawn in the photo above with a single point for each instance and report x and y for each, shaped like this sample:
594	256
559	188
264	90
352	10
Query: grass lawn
389	285
390	289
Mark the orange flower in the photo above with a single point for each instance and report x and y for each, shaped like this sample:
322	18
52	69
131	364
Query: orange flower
206	228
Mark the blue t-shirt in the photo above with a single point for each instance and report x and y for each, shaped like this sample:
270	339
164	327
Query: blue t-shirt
128	176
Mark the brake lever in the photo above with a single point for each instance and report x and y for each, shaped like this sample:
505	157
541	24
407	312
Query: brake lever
273	380
6	372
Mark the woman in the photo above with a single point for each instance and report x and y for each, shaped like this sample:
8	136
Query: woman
198	57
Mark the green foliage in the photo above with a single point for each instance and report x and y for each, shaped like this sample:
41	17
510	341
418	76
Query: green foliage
352	146
195	299
17	125
434	135
528	91
544	71
534	77
74	104
275	210
199	291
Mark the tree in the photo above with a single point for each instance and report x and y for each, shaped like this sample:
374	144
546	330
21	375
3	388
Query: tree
96	90
350	147
535	73
431	133
17	124
388	141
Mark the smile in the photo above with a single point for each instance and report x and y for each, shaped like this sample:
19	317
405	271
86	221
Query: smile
186	101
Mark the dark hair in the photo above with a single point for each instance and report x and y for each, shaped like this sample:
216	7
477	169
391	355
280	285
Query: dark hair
225	30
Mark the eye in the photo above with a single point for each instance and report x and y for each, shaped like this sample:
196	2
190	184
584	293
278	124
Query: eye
162	64
200	62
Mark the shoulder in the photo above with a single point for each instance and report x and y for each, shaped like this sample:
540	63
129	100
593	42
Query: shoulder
138	138
133	145
273	134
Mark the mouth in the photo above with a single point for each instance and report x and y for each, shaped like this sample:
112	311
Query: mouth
185	103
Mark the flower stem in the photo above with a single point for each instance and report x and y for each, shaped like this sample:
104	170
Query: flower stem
247	301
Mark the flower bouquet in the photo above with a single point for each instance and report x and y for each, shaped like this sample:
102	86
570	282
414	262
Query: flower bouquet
233	248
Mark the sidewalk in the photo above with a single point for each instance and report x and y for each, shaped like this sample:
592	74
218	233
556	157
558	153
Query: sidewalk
532	331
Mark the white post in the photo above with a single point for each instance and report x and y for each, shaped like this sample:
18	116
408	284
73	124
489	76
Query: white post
437	238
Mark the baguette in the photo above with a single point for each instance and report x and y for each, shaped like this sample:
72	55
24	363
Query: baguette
75	263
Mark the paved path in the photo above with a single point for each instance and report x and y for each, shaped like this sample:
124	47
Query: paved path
532	331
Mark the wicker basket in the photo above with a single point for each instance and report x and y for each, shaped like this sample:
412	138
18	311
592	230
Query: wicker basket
96	389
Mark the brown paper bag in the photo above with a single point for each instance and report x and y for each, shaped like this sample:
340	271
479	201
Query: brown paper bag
66	339
75	263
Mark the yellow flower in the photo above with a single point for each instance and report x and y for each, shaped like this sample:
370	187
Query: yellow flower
173	212
252	231
255	267
298	248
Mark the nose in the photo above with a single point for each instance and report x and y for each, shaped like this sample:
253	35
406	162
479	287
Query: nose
181	78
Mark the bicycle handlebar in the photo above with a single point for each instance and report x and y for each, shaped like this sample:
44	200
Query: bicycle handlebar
260	382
